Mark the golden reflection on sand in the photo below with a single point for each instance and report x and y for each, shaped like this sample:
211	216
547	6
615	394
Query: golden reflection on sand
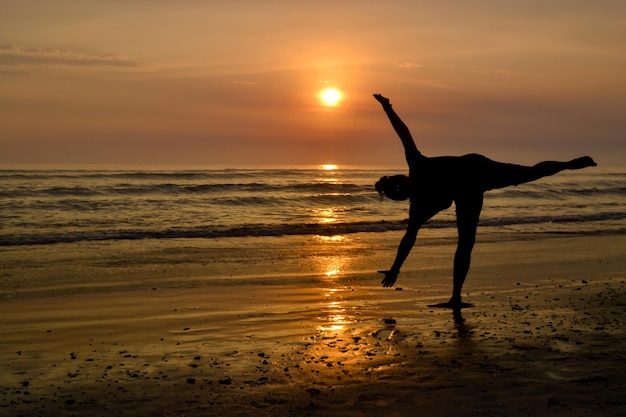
331	268
335	317
334	310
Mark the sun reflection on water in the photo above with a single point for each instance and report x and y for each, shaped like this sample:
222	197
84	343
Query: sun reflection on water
325	215
332	239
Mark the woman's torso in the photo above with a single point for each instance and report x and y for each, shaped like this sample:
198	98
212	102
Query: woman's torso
450	176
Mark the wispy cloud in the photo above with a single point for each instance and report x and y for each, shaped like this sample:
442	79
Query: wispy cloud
408	65
18	56
493	71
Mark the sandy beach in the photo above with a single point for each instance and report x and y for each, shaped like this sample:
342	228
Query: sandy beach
545	335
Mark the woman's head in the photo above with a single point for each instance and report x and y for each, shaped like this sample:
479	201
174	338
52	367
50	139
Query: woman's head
395	187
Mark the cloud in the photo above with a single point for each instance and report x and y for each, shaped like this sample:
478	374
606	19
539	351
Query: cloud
244	82
493	71
18	56
409	65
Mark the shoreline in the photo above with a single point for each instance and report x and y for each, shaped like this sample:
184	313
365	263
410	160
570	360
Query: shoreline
119	266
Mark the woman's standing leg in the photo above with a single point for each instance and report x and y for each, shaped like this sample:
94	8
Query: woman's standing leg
467	215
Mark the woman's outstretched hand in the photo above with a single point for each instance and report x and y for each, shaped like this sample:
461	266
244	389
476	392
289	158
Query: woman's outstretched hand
390	278
382	100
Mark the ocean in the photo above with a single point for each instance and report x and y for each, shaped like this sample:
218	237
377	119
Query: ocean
78	231
46	207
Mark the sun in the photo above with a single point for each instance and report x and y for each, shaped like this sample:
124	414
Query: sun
330	96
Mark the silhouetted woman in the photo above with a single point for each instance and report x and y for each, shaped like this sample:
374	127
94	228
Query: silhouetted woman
434	183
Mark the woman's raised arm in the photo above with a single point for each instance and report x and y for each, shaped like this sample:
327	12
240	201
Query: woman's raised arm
401	129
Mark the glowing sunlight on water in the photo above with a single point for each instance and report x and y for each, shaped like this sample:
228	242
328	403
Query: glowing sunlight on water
325	215
336	238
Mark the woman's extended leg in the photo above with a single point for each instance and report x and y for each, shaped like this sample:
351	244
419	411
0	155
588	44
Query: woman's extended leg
505	175
547	168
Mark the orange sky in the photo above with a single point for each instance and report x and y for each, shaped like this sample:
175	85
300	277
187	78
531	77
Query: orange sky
236	82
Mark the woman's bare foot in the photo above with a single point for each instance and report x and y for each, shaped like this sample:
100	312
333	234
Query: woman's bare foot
582	162
453	304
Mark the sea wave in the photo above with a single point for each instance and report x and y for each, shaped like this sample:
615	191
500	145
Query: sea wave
330	229
203	174
169	189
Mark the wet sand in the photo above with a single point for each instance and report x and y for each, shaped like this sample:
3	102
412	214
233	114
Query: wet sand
545	336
